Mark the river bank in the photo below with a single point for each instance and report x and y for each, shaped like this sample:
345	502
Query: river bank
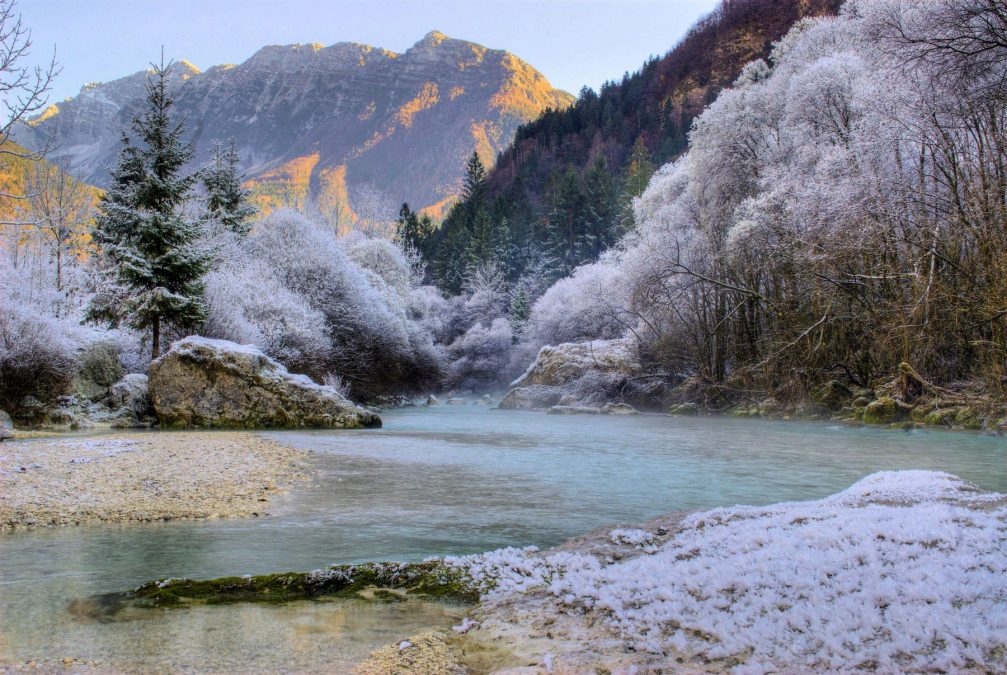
142	477
899	572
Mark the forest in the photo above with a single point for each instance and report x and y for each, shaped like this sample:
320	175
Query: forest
838	212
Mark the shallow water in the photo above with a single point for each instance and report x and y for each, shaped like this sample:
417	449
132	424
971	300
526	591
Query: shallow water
431	482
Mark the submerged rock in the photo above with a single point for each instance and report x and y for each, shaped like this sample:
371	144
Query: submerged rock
619	409
216	383
531	398
573	410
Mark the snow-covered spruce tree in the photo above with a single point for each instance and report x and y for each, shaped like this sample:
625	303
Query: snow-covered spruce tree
143	239
226	201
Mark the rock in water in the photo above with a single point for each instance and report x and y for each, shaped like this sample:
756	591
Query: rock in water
216	383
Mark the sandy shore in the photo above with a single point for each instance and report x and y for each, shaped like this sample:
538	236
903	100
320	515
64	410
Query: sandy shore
141	477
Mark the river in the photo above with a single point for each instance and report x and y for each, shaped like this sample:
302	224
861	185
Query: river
431	482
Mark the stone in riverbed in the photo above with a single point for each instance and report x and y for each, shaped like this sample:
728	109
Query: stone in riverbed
531	398
215	383
619	409
573	410
456	401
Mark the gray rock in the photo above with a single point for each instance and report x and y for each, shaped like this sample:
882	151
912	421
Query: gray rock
132	392
484	400
432	401
567	363
216	383
456	401
6	426
99	369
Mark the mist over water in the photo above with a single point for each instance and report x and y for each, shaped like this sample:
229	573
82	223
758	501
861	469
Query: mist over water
431	482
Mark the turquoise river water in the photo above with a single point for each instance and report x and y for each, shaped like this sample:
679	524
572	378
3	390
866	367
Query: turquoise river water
431	482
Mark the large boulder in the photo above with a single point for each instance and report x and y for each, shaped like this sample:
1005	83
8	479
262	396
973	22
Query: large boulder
216	383
566	363
585	374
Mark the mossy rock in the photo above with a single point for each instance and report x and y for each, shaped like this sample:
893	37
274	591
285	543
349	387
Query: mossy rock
860	402
885	410
372	581
968	417
684	409
940	417
833	395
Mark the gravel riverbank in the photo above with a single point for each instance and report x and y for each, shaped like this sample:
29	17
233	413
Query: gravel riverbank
142	477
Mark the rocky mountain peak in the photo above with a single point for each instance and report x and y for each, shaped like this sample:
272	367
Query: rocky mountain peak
356	127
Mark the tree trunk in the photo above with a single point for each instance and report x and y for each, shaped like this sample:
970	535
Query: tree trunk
155	350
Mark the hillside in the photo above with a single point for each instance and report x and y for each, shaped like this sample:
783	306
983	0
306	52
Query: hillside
349	128
624	130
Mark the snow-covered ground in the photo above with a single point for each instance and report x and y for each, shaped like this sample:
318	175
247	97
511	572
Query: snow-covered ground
903	571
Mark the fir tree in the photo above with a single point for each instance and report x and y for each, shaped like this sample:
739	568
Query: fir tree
227	201
565	223
638	173
600	226
474	187
520	310
148	245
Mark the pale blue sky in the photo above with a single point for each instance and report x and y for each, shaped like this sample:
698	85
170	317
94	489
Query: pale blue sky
573	42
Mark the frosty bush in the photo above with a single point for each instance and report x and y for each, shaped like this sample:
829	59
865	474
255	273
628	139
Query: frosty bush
325	306
480	358
36	360
592	304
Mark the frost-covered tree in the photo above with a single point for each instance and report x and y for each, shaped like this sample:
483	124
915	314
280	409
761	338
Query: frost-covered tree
142	234
226	201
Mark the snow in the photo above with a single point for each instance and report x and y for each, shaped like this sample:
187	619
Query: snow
902	571
631	536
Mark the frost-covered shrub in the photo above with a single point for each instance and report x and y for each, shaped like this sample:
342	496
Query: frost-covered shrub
323	306
592	304
480	358
247	304
36	360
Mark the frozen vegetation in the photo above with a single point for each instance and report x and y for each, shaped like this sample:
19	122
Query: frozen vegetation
900	572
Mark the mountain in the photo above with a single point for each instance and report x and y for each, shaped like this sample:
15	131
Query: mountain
352	128
549	186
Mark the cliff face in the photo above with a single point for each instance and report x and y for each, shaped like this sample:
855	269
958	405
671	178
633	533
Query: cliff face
352	128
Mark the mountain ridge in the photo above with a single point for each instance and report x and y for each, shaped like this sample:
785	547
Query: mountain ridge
349	128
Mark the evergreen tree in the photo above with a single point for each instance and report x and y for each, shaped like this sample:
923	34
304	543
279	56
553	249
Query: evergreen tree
474	187
565	223
143	238
520	310
638	173
600	226
227	201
